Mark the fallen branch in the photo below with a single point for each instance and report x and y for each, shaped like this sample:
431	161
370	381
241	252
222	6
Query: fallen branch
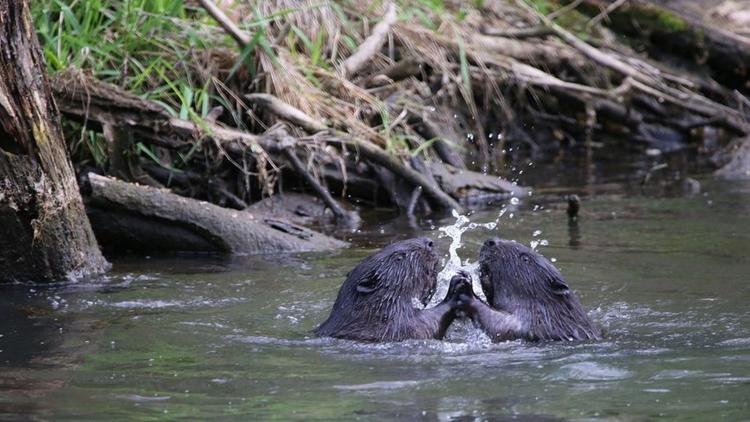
378	156
604	14
370	152
564	10
89	100
535	32
372	44
648	84
287	112
342	216
242	37
97	102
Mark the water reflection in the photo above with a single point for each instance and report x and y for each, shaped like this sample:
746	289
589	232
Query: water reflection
29	327
574	234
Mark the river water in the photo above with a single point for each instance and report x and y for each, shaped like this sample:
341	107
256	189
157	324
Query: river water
200	337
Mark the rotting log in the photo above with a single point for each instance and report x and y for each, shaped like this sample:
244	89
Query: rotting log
147	219
45	235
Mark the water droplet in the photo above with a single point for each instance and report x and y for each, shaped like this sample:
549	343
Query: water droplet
536	233
514	201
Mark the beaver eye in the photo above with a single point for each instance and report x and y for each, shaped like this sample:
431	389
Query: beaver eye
399	257
525	257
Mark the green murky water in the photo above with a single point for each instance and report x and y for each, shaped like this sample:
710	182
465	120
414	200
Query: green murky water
200	338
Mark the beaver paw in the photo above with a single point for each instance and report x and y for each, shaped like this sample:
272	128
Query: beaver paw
460	293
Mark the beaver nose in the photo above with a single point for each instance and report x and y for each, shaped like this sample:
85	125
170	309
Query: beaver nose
492	241
427	242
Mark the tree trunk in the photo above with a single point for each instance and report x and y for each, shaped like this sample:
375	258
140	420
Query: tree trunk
44	232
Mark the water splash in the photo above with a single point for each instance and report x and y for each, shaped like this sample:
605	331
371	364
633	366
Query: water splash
454	263
455	231
536	243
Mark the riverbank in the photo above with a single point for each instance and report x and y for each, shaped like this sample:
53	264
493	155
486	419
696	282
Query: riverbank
402	105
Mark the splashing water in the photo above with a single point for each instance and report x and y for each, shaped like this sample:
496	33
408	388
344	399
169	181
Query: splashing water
455	232
536	243
454	264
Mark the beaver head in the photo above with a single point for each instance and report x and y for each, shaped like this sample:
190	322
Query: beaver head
518	280
375	301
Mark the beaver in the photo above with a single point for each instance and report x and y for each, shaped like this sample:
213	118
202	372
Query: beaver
375	302
528	297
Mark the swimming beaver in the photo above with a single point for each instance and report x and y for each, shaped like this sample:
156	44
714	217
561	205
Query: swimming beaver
375	301
528	297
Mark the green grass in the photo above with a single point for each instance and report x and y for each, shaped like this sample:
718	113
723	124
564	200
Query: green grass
144	46
133	43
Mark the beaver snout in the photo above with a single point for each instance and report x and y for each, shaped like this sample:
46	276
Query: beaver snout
428	243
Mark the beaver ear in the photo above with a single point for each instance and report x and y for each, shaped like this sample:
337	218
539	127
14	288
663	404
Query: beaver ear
368	285
559	286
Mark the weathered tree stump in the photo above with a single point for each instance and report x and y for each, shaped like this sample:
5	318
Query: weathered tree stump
44	232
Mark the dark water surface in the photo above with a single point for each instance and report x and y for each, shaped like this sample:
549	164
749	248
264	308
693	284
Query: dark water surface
197	338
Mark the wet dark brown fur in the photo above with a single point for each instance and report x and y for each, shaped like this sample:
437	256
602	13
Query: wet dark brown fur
528	297
375	301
